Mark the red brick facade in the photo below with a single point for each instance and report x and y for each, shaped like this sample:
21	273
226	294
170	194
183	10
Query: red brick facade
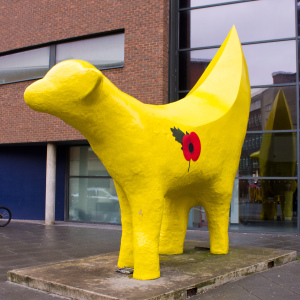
36	22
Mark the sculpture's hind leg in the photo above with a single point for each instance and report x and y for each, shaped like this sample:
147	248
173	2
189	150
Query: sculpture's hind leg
218	221
126	249
174	224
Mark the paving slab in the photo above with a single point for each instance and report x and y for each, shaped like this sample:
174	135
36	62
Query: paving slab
188	274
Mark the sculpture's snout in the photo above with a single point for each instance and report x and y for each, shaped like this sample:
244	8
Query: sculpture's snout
36	95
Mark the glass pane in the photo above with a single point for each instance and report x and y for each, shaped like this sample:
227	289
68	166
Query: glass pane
269	155
102	52
262	101
268	63
265	205
197	218
254	21
24	65
257	205
182	95
84	162
192	64
271	63
93	200
193	3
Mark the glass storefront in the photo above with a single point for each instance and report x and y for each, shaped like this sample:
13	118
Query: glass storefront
92	194
265	194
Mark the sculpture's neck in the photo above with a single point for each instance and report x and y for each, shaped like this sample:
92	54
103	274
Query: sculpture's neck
106	115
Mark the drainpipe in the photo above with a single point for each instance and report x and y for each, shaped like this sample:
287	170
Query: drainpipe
50	184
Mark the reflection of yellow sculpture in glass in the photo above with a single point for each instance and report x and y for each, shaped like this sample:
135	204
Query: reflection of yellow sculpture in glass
277	158
164	159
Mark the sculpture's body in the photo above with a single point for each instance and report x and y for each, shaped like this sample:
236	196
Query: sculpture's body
141	150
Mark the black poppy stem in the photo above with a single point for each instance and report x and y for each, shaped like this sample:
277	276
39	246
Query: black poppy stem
189	165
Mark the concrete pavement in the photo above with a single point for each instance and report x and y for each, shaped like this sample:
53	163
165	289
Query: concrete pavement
26	244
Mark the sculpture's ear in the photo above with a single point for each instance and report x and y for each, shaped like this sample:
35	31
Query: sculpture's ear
76	76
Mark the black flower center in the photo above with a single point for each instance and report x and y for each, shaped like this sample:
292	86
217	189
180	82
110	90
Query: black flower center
191	147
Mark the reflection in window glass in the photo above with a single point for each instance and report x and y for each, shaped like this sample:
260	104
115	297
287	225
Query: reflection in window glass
24	65
197	218
274	19
84	162
271	204
271	63
268	63
262	101
93	200
92	194
257	203
182	95
102	52
269	155
192	64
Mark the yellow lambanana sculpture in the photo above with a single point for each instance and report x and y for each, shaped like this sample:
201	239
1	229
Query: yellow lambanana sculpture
163	159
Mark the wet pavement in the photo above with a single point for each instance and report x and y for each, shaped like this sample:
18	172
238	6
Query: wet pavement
26	244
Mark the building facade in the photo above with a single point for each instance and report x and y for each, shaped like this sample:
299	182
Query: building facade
155	51
127	40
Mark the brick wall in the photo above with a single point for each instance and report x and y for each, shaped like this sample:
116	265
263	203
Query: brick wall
34	22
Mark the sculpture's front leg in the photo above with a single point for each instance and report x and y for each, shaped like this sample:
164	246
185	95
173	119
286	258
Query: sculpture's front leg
174	225
217	213
147	210
126	248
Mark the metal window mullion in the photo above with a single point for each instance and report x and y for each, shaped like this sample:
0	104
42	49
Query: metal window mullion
214	5
22	80
271	131
298	110
260	86
173	49
274	85
264	178
52	56
243	44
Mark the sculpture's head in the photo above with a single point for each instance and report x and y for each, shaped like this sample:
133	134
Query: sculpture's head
65	89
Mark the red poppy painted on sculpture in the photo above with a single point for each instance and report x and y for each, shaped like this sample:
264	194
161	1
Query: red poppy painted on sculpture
191	145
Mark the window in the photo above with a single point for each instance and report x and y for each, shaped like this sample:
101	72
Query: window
24	65
268	63
92	194
274	19
266	194
103	52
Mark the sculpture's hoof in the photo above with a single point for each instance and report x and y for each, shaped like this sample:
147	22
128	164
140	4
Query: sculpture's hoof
145	275
219	251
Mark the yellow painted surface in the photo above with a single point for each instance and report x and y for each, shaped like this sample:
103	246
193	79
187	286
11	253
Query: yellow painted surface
141	147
